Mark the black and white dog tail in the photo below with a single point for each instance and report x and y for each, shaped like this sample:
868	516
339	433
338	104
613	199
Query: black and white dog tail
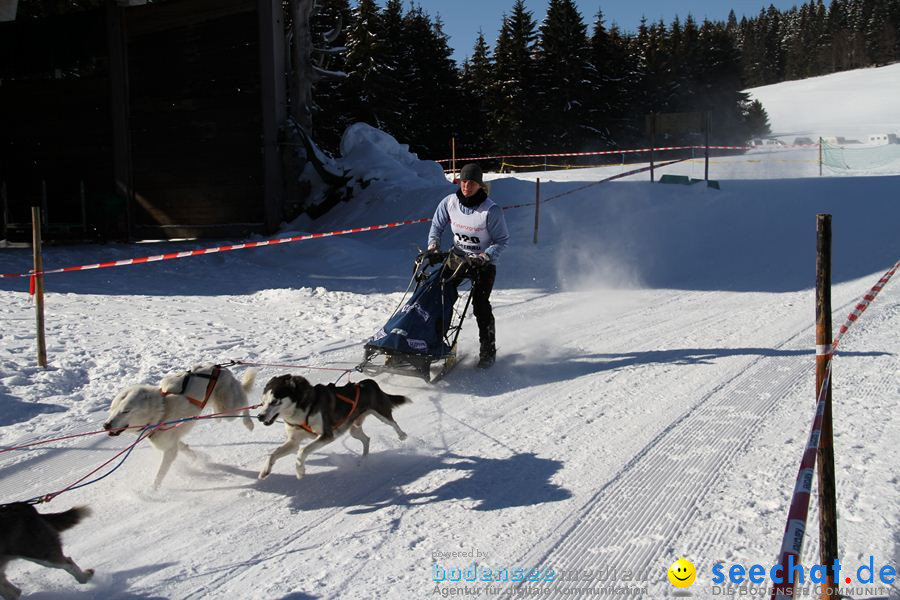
398	400
64	520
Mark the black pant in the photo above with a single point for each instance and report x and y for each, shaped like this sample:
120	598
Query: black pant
482	285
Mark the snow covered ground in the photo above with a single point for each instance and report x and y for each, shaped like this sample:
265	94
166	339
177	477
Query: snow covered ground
651	399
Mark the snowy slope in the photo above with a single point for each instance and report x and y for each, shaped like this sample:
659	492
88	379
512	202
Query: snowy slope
651	398
852	104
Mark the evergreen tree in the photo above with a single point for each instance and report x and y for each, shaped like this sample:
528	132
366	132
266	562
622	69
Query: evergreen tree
512	98
563	68
331	109
430	82
473	132
609	83
365	86
393	106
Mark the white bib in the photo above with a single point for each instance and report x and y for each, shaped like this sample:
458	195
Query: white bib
470	232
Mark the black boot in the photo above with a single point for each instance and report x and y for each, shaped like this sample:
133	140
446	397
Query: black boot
488	352
486	361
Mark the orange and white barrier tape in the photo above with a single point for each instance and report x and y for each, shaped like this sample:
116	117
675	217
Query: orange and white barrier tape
202	251
794	530
597	153
296	238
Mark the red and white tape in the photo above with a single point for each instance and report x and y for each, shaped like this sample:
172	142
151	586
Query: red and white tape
864	304
597	153
297	238
794	530
202	251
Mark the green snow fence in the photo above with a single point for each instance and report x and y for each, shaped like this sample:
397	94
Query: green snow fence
864	158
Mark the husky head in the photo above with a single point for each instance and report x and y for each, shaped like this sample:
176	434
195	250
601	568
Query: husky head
282	396
136	406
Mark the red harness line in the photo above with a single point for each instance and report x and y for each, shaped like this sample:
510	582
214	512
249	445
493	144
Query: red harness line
353	403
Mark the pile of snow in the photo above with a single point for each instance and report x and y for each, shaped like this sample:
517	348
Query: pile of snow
373	155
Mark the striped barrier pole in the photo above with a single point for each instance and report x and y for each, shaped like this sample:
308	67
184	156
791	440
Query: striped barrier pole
828	552
792	541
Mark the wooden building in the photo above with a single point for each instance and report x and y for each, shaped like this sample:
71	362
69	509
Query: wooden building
141	122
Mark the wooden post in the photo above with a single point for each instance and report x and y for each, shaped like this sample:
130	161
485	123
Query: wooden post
273	102
453	159
828	546
706	155
123	175
43	212
83	208
5	211
537	206
820	157
38	284
652	143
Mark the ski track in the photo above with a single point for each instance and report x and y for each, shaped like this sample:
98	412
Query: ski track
638	515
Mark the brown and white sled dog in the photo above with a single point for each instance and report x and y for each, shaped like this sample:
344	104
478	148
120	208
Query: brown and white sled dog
322	413
140	405
27	534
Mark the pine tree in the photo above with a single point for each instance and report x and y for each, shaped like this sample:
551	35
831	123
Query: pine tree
365	85
431	89
473	132
608	83
562	60
331	109
394	75
512	97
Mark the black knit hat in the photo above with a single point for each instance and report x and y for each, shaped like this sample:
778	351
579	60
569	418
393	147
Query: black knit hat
471	172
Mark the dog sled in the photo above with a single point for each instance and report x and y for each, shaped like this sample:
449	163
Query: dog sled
419	338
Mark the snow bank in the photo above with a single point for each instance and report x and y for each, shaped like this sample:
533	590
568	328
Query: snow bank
371	154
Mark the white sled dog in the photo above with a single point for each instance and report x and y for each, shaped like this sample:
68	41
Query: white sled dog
27	534
322	413
179	396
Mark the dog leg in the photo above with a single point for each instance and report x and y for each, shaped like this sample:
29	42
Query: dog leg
8	590
68	565
301	457
357	432
169	455
182	447
390	421
248	422
286	448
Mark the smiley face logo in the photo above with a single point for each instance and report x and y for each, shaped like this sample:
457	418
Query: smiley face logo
682	573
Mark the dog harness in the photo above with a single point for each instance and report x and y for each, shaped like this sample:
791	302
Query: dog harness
305	424
213	378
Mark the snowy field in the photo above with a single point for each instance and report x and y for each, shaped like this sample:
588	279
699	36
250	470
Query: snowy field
651	399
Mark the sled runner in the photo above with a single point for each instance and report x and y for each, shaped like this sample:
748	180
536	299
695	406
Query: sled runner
422	333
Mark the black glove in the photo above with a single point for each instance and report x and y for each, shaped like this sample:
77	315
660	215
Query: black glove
476	261
431	256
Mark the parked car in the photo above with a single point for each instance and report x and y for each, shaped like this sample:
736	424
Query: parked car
803	141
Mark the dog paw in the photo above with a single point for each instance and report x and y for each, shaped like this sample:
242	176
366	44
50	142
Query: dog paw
88	573
248	424
264	473
403	436
300	473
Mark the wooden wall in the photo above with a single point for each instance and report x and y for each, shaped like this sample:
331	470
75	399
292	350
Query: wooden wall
166	142
195	118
